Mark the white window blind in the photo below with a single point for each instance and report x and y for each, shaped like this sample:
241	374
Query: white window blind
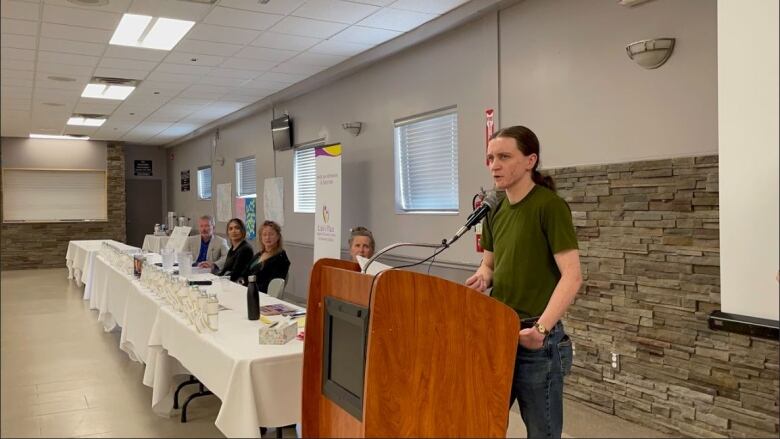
246	178
204	183
426	150
42	195
305	175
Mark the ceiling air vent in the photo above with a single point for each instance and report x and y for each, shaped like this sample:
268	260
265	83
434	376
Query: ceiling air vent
89	2
113	81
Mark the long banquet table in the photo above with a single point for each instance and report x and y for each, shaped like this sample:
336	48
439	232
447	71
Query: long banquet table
259	385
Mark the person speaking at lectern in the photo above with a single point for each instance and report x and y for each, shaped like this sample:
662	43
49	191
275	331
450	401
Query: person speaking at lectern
532	262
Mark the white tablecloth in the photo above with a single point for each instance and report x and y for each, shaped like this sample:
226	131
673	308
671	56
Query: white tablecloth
79	256
259	385
154	243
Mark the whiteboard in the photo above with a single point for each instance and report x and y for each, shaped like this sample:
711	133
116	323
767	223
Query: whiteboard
48	195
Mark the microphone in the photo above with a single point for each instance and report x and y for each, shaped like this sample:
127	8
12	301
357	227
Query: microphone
488	203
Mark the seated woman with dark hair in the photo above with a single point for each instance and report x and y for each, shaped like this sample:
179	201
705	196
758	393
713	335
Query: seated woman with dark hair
240	252
271	261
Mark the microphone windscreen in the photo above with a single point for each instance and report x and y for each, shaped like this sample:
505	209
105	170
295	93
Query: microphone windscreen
491	199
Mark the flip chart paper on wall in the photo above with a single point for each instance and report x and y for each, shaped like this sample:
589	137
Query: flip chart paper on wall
224	196
273	200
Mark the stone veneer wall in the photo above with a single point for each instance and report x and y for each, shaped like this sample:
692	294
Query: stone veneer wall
649	241
45	244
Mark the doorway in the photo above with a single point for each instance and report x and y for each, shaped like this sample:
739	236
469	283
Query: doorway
144	209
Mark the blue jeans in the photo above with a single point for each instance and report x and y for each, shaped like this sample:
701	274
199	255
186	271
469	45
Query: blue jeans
538	383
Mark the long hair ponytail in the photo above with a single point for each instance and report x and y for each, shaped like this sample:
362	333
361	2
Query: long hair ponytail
528	144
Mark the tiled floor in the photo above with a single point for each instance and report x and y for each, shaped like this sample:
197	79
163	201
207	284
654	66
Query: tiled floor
63	376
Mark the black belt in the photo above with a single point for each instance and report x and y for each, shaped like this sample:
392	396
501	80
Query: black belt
528	323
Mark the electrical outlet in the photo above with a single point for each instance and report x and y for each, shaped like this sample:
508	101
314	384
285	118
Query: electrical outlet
614	360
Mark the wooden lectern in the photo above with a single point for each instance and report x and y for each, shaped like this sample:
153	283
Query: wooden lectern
439	357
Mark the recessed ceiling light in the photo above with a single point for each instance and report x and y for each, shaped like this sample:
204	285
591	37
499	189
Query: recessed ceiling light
109	88
87	120
51	136
150	32
61	78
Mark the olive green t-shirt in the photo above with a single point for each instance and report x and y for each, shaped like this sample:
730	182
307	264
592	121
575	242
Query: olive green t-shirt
523	238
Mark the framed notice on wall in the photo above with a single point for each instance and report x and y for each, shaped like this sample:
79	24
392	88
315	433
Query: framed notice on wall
185	181
142	168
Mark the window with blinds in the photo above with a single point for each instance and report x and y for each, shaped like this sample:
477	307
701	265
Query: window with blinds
426	162
305	176
204	183
246	178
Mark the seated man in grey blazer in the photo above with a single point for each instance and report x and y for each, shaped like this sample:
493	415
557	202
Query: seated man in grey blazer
208	250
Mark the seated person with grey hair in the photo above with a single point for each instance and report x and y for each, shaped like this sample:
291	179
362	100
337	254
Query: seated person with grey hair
361	242
208	250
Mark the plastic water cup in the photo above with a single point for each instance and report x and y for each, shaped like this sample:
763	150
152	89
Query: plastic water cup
168	257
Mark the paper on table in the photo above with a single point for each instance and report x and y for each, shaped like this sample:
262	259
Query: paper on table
178	238
375	266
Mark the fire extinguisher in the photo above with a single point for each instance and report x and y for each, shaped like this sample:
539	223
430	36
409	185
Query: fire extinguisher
475	203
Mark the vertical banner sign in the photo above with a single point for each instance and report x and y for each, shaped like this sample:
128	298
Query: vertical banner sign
327	223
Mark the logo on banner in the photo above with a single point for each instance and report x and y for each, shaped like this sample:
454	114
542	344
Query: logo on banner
325	214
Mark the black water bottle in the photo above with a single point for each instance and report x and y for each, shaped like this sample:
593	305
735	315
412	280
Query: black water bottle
252	299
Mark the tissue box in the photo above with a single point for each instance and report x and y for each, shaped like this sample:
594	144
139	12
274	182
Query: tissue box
279	334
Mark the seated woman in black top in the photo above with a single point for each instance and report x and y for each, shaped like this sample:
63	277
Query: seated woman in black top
240	252
271	261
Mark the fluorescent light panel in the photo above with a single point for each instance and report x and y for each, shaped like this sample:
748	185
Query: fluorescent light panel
107	91
51	136
149	32
86	121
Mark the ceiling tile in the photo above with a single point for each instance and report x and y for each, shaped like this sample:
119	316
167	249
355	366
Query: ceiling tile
76	33
335	10
18	82
119	63
365	35
135	53
140	104
19	10
119	6
157	88
183	69
64	69
221	80
171	77
204	91
67	58
222	34
254	93
80	17
307	28
177	57
297	68
77	47
317	59
207	47
396	19
43	80
240	18
96	106
15	104
342	48
7	53
266	54
428	6
16	92
10	73
19	27
288	78
233	73
110	72
17	64
284	7
182	10
285	41
374	2
18	41
249	64
178	129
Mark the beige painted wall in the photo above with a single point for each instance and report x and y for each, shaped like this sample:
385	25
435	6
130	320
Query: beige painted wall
565	74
